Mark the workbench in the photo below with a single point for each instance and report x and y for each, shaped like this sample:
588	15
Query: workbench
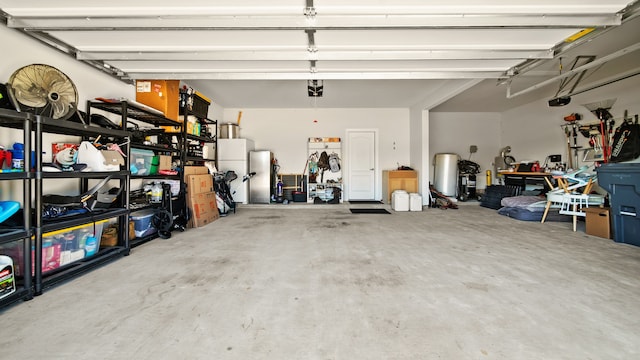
522	179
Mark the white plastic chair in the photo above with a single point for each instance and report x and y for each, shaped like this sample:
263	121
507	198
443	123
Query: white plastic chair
569	198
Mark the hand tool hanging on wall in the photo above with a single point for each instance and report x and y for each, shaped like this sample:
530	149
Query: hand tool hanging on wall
567	134
571	131
601	110
575	147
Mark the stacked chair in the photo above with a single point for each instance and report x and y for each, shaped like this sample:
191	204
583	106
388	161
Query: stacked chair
572	194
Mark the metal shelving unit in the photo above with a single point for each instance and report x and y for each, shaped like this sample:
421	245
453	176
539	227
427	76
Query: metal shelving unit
185	158
15	235
34	228
31	233
129	111
65	272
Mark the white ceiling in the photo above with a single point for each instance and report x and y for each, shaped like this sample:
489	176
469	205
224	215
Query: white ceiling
369	53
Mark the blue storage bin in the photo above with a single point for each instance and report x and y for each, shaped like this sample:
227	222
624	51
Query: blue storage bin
622	181
142	222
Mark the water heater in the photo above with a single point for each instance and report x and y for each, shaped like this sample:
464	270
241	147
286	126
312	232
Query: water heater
445	174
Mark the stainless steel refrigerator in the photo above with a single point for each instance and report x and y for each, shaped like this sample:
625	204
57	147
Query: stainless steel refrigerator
262	183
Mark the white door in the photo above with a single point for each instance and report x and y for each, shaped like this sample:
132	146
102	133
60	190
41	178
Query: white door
361	164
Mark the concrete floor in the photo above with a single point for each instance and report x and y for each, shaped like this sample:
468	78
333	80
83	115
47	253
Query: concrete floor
290	282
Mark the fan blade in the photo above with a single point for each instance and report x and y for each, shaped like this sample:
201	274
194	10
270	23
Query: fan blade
29	95
51	77
63	100
64	91
26	83
60	109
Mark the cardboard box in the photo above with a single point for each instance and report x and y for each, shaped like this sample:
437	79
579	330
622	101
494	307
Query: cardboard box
163	95
197	184
598	222
204	209
165	162
195	170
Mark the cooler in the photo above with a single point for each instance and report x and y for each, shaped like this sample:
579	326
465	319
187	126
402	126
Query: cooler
415	202
400	200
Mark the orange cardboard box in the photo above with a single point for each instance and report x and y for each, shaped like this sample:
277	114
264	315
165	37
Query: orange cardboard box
195	170
598	222
163	95
198	184
165	162
204	209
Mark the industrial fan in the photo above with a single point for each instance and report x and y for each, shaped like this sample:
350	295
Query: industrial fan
43	90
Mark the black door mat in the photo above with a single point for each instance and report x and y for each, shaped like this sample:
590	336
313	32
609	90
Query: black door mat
369	211
364	202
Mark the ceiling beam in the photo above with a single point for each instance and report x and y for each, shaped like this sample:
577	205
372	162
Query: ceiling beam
319	22
316	55
355	75
255	8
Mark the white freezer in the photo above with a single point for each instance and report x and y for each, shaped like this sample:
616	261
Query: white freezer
239	189
234	149
233	154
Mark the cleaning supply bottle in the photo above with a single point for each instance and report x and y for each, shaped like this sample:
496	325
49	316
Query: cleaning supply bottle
156	193
280	189
7	279
18	156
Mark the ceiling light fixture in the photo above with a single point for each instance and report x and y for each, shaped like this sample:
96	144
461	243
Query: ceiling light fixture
315	88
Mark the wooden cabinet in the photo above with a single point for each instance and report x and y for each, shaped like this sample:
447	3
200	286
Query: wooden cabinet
398	180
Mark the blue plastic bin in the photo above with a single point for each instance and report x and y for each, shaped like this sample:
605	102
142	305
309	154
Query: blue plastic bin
622	181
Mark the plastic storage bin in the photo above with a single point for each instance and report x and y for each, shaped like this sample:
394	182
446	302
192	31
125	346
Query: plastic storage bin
142	222
50	257
76	243
623	184
415	202
400	200
299	196
141	162
60	247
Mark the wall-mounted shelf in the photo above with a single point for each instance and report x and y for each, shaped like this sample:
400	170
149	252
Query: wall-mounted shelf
324	185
